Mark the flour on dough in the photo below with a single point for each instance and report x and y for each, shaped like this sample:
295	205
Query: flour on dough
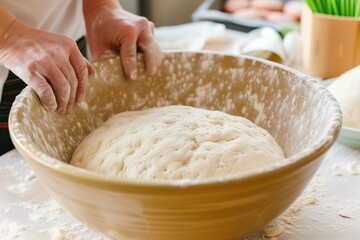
176	142
346	90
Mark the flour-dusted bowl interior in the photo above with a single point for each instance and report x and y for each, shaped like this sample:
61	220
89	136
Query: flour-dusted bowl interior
303	117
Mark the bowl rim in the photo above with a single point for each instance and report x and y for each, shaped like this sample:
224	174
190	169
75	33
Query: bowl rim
309	154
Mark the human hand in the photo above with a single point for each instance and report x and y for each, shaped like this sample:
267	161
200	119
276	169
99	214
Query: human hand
51	64
111	29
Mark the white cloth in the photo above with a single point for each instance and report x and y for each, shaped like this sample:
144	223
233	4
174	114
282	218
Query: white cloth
57	16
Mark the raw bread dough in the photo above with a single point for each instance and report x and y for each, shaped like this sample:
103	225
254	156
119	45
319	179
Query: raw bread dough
346	90
176	142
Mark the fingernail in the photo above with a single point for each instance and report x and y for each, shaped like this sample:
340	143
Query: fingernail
61	111
50	109
80	97
133	75
69	109
153	70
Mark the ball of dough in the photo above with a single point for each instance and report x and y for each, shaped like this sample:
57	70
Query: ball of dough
176	142
346	90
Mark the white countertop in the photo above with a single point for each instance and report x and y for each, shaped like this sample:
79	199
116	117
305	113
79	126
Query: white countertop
27	212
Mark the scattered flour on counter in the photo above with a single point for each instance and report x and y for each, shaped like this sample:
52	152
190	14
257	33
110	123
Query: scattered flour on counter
273	230
19	188
12	231
353	168
345	213
31	177
337	171
40	213
45	218
57	234
24	178
291	215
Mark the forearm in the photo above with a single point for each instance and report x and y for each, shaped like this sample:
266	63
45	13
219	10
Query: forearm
7	19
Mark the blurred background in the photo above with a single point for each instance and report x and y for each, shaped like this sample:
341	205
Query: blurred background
163	12
296	33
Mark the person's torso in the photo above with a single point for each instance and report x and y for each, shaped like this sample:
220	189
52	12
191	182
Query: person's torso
57	16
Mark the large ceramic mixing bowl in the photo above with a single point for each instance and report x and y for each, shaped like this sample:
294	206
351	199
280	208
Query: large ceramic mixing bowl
303	117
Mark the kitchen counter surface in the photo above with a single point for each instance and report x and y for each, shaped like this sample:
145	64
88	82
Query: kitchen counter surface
329	209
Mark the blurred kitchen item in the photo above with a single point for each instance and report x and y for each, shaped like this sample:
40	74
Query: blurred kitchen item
168	12
346	8
227	43
264	43
346	90
350	137
293	8
189	36
245	15
330	44
291	43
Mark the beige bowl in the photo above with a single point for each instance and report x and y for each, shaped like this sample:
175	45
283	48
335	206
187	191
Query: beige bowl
303	117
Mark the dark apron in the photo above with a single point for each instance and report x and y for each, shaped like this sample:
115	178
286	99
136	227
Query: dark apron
13	86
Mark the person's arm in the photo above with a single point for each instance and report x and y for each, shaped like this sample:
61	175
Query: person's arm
7	19
51	64
111	29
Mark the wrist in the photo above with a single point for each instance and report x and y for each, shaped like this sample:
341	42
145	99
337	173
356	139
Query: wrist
92	7
9	38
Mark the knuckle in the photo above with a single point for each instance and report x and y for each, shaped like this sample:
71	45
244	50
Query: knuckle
142	21
81	68
64	87
129	28
43	90
49	58
68	41
74	83
44	60
32	68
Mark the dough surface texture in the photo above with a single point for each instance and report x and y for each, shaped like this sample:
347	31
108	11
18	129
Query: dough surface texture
346	90
176	142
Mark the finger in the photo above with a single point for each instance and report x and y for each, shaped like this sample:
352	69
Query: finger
59	84
44	91
79	64
128	57
151	26
70	75
90	67
152	51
